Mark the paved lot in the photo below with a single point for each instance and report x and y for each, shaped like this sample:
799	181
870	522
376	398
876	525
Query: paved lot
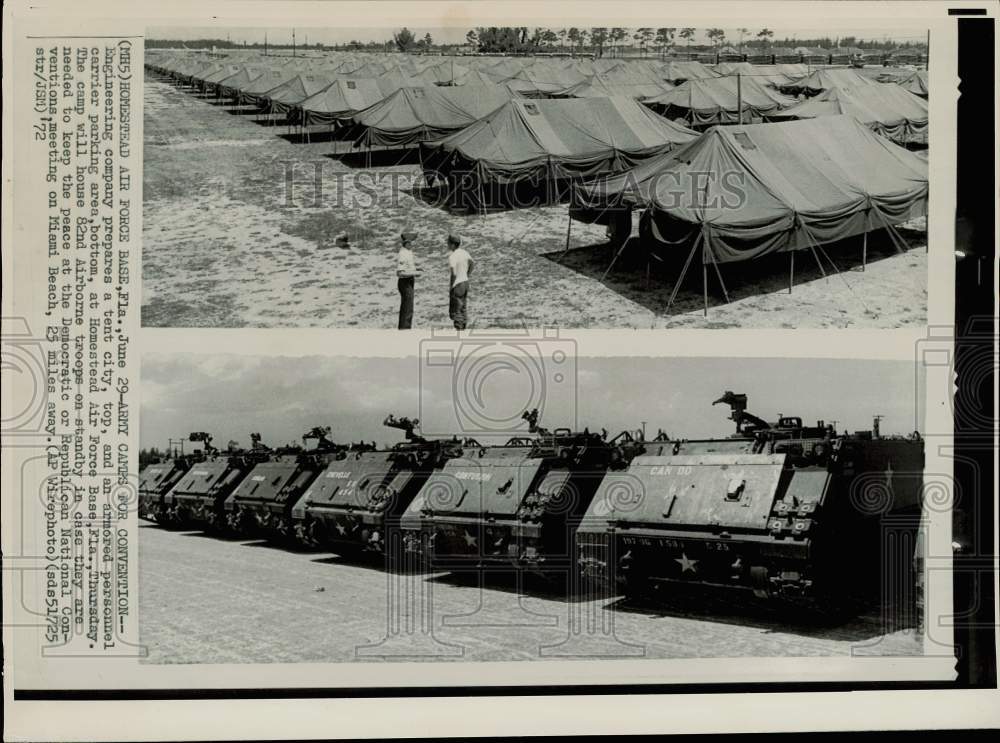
206	600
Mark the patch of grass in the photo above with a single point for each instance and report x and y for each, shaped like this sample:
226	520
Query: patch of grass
323	227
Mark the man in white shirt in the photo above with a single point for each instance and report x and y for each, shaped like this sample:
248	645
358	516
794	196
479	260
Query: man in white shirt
406	273
460	264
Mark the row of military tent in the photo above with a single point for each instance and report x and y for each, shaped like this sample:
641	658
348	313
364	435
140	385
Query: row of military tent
484	129
704	98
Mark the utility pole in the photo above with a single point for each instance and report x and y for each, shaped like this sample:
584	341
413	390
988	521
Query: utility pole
293	42
739	95
265	43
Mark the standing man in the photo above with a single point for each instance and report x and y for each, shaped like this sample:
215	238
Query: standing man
460	263
406	272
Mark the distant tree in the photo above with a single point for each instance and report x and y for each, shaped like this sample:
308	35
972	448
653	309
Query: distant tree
664	38
573	36
598	37
471	39
403	39
428	41
617	36
687	34
549	37
743	32
765	35
562	37
716	35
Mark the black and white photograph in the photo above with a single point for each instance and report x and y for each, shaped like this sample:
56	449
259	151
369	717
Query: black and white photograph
509	176
436	368
733	516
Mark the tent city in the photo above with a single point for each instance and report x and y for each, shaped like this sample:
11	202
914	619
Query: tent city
585	178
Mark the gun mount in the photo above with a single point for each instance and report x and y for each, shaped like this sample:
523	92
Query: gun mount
407	425
747	424
206	440
322	436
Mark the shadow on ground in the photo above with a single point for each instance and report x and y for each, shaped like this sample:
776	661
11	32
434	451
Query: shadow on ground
647	276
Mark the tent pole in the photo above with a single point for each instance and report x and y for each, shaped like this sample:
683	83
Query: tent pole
864	251
569	227
718	273
684	270
614	260
821	269
739	96
791	270
704	284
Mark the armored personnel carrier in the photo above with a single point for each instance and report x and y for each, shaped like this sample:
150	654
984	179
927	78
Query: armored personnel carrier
198	499
261	504
158	478
787	510
516	504
357	500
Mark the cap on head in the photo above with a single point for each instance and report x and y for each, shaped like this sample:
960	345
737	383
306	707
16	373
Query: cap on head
454	240
407	236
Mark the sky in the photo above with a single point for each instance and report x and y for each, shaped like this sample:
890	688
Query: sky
230	395
456	35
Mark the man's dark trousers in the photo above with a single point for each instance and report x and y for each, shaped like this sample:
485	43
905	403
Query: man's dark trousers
405	285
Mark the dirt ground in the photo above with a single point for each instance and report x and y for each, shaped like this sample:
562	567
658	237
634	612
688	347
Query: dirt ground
207	600
239	222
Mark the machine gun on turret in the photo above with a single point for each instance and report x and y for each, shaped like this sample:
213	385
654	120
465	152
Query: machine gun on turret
407	425
747	424
321	434
206	440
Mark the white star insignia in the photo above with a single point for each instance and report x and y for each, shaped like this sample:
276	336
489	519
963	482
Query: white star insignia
470	541
686	564
341	528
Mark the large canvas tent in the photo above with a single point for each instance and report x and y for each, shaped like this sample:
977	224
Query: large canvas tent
678	72
766	74
912	81
826	78
553	140
347	96
209	81
886	108
718	101
779	187
606	86
230	87
255	91
412	115
294	91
